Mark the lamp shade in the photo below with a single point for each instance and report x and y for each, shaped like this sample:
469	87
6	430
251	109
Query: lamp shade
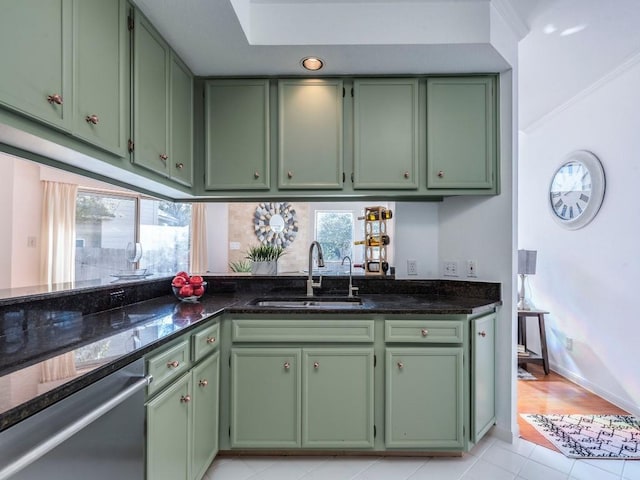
527	262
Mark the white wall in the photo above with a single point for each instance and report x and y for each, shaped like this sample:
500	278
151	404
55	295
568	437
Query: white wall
587	278
6	216
416	238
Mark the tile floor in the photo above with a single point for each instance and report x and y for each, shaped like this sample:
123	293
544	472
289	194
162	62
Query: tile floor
491	459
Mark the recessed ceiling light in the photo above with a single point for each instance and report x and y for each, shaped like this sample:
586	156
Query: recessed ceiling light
312	63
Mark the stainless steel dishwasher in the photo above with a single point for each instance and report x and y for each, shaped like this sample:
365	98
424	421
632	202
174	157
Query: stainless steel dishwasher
96	433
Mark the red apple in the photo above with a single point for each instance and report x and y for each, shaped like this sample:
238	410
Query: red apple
196	280
178	281
186	291
185	275
198	290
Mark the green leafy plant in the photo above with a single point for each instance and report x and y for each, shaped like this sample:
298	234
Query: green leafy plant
240	266
264	253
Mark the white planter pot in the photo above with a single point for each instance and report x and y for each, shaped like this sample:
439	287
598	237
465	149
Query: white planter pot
264	268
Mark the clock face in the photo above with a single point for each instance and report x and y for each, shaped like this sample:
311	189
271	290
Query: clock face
570	190
577	190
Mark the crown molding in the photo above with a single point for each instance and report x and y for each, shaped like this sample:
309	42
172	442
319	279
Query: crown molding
512	17
620	70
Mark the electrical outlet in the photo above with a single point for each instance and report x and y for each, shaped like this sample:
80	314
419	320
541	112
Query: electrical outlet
31	242
450	268
234	245
472	268
568	343
412	267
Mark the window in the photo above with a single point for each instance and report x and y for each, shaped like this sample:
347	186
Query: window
108	226
334	231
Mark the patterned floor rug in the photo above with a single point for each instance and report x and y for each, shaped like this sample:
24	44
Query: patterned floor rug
524	375
591	436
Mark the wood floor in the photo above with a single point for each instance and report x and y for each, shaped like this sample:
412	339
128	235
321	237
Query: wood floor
555	394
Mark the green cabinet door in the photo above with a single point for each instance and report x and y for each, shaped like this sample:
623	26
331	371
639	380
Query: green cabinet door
385	133
265	397
204	415
180	161
424	398
100	73
483	408
461	133
310	134
151	98
337	398
237	135
36	59
168	441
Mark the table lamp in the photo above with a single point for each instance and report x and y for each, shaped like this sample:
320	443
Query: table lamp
526	266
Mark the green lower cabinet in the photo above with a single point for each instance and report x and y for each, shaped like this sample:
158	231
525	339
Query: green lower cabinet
483	407
168	439
337	398
265	397
204	444
424	398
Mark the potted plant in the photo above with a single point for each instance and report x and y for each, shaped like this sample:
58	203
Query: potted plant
264	259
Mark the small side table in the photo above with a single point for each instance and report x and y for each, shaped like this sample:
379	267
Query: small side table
530	356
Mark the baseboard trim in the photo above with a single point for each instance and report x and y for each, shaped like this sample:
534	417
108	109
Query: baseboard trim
593	388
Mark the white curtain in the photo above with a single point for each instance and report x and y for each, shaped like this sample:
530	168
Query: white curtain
58	232
198	261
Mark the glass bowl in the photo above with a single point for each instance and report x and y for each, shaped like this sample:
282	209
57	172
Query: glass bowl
184	297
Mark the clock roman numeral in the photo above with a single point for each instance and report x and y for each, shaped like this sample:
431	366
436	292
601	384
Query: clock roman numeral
564	211
570	212
555	194
558	204
584	198
579	209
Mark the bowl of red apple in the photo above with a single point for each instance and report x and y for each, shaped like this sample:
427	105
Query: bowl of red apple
188	288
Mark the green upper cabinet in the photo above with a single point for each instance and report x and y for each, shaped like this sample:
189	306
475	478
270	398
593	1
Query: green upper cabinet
385	133
181	123
483	409
310	137
36	59
337	397
101	73
461	133
162	107
424	398
237	135
151	98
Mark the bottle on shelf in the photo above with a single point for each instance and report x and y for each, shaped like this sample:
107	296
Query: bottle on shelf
380	214
374	240
373	266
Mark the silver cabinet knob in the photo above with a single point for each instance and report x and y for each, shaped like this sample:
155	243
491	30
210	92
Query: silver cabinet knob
440	174
316	365
256	174
287	365
173	364
424	332
211	340
180	166
290	174
482	334
185	398
203	383
406	174
92	119
55	98
163	157
400	365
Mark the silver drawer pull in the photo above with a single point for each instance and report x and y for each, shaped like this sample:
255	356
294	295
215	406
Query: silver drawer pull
400	365
174	364
424	332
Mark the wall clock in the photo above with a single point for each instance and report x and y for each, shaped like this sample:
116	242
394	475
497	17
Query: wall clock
275	223
577	190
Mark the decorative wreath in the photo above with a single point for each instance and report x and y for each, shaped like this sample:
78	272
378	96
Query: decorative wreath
275	223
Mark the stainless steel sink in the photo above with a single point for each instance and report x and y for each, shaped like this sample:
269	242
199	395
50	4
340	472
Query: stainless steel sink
307	302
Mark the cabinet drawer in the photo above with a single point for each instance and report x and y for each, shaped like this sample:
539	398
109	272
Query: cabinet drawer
168	365
427	331
255	330
205	341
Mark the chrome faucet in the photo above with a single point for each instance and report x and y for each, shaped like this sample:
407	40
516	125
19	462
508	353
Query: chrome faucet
352	289
310	282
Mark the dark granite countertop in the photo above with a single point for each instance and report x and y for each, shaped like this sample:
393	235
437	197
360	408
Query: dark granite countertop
53	347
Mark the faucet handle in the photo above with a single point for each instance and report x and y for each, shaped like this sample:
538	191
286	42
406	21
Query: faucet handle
353	290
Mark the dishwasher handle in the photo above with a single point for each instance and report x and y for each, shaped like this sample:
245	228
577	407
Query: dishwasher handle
50	443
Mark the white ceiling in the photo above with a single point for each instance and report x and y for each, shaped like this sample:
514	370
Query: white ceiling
269	37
